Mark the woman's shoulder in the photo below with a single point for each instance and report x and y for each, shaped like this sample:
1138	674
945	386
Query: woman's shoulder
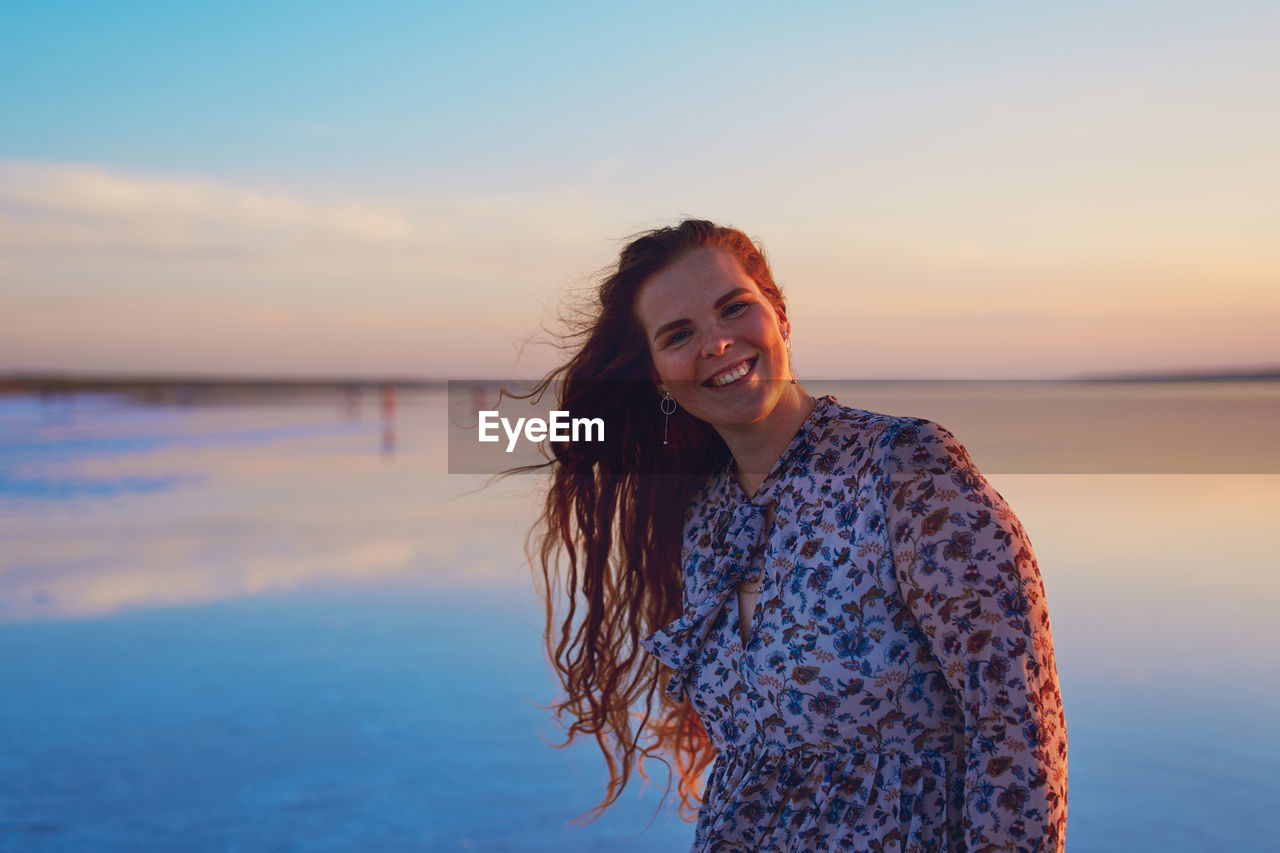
837	415
870	445
843	428
847	424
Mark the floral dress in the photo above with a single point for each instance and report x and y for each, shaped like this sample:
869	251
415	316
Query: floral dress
898	689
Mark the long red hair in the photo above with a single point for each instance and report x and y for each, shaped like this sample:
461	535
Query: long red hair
606	547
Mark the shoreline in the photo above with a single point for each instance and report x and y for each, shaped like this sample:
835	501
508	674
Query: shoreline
54	382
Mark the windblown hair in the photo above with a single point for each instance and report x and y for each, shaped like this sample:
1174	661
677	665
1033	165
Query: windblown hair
607	542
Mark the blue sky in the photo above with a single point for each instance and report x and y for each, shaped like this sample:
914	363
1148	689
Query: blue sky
1091	183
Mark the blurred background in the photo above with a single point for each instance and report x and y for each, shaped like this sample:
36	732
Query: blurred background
244	604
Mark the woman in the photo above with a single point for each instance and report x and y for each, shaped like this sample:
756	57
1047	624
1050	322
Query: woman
830	603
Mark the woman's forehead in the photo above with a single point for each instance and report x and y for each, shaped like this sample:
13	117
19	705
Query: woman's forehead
702	275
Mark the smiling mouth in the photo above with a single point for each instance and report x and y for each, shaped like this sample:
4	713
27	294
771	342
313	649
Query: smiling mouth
734	374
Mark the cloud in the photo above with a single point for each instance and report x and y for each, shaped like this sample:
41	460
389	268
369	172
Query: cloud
124	270
121	270
88	208
82	228
82	207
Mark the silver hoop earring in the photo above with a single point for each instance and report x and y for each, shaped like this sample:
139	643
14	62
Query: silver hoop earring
667	405
786	338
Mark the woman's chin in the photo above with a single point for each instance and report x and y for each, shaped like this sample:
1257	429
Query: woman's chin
744	406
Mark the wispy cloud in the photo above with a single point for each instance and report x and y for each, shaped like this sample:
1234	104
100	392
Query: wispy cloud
81	207
121	270
124	270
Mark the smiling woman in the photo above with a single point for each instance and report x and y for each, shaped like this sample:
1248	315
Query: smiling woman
837	609
721	358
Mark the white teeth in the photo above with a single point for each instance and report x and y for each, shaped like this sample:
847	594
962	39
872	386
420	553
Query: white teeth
733	375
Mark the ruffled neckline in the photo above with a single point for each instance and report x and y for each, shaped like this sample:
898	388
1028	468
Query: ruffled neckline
727	482
738	534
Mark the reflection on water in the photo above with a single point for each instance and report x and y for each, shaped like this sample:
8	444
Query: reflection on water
265	623
110	506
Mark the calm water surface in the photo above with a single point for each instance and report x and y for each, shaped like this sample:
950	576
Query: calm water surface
282	625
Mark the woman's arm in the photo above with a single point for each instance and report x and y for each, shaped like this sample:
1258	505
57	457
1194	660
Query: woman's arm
969	576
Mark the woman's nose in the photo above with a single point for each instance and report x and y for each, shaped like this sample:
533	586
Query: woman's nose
716	343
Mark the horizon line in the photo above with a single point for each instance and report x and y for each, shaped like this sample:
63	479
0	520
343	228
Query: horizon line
36	380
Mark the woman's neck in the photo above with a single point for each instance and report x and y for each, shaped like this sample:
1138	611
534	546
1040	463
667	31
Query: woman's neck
755	449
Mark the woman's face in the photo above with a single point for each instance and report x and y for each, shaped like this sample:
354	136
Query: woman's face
715	339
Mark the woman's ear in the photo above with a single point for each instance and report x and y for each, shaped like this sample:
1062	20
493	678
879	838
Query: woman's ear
784	324
657	380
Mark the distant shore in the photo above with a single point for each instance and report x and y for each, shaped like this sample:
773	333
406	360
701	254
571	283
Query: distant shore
1260	374
159	387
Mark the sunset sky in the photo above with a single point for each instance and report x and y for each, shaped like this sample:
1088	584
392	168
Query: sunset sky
974	190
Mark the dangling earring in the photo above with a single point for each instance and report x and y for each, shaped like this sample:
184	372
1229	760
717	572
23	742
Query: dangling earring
667	405
786	338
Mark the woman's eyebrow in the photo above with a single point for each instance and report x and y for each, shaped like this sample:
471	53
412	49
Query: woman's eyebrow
732	294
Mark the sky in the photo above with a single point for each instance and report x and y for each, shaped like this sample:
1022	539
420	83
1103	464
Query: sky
944	189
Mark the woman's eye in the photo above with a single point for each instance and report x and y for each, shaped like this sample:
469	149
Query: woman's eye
676	337
735	308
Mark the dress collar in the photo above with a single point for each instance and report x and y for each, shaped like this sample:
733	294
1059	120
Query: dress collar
801	444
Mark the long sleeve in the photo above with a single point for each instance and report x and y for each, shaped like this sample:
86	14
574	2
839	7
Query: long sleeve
969	576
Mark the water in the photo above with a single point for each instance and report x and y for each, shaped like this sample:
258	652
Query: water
280	625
